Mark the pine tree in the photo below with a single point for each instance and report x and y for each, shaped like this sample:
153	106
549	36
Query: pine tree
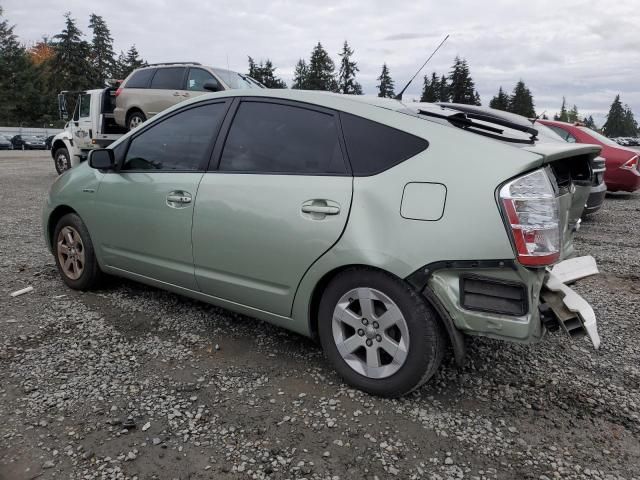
616	124
476	99
500	101
321	74
431	89
631	125
300	75
19	90
102	55
265	74
71	60
521	101
347	76
133	59
445	90
386	86
461	87
563	116
589	123
573	115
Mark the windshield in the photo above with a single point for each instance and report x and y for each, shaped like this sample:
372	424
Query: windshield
236	80
599	137
31	138
547	132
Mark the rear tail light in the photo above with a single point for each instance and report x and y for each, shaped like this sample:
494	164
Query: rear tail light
531	208
118	91
631	164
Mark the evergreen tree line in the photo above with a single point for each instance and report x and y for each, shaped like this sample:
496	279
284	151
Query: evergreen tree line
30	78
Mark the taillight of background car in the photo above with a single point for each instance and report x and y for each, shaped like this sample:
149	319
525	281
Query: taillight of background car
531	208
631	164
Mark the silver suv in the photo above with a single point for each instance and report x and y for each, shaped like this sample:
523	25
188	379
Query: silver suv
149	90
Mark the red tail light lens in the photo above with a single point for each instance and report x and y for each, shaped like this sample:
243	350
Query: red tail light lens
631	164
118	91
531	209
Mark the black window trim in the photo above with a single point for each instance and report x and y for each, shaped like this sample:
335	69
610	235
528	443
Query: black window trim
402	160
216	157
153	74
204	162
183	83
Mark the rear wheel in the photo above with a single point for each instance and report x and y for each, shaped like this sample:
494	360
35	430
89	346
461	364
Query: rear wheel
381	336
135	119
62	160
74	253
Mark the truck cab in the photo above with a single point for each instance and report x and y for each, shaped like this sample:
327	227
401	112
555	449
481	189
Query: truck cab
91	126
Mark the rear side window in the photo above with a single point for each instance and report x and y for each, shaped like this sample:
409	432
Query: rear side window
275	138
374	148
140	79
181	142
168	78
566	136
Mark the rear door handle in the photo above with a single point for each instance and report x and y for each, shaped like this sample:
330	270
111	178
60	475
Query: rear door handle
324	209
178	199
318	209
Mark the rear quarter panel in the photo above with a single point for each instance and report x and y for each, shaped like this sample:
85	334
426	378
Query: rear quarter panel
471	167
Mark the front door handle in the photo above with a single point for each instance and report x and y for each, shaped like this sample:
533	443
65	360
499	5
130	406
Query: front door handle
178	199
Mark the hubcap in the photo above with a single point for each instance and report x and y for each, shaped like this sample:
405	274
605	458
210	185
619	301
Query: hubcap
134	122
370	333
62	162
70	252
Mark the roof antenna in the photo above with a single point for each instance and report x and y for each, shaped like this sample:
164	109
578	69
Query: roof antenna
228	70
399	96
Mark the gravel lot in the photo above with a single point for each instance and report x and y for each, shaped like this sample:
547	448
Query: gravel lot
134	382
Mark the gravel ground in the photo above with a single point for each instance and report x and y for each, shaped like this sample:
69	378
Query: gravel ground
133	382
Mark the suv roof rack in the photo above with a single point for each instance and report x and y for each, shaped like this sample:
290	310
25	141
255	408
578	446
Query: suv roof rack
173	63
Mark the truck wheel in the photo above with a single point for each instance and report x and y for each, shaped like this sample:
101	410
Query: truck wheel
75	257
380	335
135	119
62	160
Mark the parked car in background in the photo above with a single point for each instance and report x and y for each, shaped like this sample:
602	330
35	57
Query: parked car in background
598	188
623	168
48	141
5	143
383	232
27	142
149	90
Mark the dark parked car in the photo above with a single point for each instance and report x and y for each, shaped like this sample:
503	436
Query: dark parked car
5	143
48	142
27	142
598	187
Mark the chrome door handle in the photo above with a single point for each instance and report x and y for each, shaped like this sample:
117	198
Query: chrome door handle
178	199
323	209
186	94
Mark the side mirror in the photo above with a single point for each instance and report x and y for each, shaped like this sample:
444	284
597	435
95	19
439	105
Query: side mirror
212	86
102	159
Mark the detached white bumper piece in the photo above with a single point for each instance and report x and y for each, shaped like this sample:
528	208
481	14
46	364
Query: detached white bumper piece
572	312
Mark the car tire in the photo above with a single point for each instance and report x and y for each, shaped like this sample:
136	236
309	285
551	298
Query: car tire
386	355
74	254
62	160
134	119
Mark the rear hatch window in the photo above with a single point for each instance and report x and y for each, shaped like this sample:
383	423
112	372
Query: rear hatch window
140	79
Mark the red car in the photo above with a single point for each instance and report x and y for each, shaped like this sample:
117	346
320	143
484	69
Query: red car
623	168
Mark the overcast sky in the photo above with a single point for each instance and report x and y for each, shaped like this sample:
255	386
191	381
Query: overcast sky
587	51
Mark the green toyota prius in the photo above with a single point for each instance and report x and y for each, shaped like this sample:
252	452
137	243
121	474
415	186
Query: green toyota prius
386	231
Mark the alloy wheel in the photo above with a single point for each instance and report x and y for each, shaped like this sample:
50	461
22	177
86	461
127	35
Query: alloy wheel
70	250
135	122
62	162
370	333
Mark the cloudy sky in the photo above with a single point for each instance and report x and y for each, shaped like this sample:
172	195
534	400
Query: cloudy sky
585	50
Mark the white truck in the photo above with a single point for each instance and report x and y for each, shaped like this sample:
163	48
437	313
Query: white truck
91	126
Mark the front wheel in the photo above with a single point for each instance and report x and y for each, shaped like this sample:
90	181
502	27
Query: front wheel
74	253
62	160
381	336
